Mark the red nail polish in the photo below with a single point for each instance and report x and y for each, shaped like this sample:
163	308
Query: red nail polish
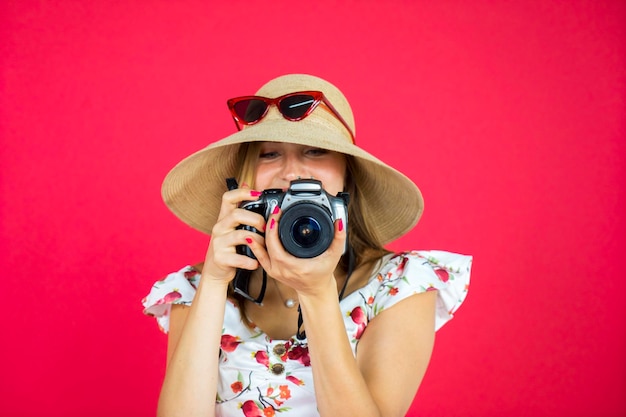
276	210
272	223
255	193
340	225
249	240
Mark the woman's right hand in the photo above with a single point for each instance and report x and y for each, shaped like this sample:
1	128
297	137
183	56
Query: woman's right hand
194	341
222	259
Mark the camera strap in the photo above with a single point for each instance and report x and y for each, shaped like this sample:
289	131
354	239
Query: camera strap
241	282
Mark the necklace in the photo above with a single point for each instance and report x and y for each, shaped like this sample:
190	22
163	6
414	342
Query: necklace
289	302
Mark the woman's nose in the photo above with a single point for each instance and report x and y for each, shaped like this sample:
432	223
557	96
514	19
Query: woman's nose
294	169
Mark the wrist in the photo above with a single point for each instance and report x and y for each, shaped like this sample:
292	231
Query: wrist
322	294
213	284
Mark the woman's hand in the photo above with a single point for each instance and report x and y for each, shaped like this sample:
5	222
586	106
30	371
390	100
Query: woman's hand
222	259
305	275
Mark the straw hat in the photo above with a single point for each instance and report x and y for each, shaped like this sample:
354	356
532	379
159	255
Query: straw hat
193	188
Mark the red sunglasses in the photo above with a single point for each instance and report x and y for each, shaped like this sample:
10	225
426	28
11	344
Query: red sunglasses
249	110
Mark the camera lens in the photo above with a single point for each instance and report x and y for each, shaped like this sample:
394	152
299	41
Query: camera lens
306	229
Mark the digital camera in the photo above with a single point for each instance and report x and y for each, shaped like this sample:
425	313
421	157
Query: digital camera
306	226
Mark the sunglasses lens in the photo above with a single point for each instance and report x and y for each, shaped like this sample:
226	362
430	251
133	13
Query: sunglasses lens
296	106
250	110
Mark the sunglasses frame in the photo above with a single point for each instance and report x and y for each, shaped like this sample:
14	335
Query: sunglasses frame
318	97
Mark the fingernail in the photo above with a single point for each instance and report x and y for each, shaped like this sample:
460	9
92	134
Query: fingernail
244	185
254	193
272	223
340	225
276	210
249	240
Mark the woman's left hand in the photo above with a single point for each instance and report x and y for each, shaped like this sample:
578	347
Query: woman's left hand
305	275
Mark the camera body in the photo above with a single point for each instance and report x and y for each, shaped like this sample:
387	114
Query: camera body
306	227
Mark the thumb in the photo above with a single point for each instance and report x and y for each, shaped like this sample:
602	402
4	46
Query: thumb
339	241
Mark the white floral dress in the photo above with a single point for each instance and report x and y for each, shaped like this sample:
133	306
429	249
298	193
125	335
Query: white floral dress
261	377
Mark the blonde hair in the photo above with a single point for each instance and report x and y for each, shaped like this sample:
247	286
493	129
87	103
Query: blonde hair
362	232
248	154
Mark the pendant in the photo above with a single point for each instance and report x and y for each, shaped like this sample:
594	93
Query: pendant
290	303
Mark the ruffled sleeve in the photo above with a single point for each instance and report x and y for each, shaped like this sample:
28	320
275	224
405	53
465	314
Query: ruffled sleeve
420	271
177	288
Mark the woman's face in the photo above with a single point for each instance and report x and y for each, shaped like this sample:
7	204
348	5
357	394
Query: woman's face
280	163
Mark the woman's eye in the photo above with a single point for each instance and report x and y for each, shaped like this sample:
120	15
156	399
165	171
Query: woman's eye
317	151
268	154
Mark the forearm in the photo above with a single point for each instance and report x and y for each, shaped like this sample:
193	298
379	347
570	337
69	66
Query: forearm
190	384
340	387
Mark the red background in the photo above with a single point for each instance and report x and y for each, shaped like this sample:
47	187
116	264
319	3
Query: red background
508	115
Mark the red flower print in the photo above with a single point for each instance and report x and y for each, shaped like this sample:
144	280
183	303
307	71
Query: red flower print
431	288
358	316
262	358
370	301
393	291
285	393
169	298
190	274
300	354
402	265
229	343
251	409
295	380
269	412
237	387
442	274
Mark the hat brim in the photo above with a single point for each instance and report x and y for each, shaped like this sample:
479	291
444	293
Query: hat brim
193	189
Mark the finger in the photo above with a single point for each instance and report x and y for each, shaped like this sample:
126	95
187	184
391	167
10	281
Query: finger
236	260
238	218
272	249
256	244
339	240
229	253
271	232
273	218
232	199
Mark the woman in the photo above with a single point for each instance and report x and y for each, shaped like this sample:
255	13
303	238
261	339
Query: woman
261	328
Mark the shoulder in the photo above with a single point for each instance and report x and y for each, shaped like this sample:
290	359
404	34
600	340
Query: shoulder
431	268
177	288
408	273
